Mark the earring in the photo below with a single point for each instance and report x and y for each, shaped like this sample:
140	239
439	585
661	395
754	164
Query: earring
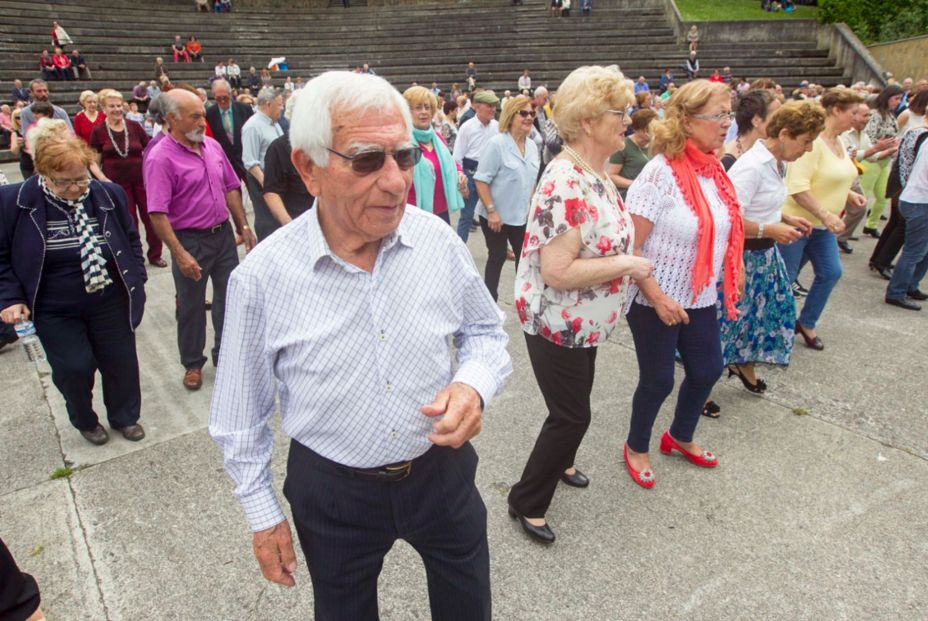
589	132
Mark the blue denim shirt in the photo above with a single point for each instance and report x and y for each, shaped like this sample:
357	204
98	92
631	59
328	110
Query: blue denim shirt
511	177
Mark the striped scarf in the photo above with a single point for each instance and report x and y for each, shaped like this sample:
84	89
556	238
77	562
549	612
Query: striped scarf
93	265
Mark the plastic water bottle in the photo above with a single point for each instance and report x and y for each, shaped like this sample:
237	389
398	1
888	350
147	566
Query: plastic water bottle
26	332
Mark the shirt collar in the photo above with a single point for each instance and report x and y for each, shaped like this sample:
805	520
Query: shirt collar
319	248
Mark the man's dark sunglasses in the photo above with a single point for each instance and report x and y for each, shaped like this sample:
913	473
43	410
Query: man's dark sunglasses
366	162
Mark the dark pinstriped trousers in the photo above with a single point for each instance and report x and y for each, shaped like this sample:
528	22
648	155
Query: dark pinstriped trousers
347	525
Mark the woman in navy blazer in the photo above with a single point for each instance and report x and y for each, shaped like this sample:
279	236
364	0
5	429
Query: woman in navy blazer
71	261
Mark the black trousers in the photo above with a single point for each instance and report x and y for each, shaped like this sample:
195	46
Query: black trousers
217	255
95	335
346	526
19	593
565	377
265	223
700	348
891	239
496	251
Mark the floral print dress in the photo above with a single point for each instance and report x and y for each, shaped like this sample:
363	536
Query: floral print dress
568	197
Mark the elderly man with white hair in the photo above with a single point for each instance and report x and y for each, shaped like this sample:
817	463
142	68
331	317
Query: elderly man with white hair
257	135
354	314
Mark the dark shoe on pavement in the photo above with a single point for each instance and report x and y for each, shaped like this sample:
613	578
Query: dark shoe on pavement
98	436
903	303
886	273
845	247
917	294
193	379
133	433
872	233
577	479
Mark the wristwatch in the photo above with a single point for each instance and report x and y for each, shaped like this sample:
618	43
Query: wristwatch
490	208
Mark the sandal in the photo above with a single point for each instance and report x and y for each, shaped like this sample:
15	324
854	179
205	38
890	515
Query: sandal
711	410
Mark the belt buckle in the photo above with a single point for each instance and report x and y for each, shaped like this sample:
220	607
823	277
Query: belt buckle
216	228
403	469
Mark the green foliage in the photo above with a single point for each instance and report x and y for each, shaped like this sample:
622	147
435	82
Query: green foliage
734	10
875	21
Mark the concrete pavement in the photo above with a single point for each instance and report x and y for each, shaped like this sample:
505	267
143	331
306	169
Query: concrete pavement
816	511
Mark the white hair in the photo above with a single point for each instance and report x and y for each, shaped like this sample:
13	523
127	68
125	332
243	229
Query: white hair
291	102
347	93
221	84
541	90
266	95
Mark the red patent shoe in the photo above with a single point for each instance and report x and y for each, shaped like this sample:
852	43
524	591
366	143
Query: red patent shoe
706	460
645	478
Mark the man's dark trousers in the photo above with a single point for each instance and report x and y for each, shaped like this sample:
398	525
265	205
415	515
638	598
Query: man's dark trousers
265	223
346	525
217	255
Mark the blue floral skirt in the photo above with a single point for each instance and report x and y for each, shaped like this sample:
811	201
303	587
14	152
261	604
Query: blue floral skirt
766	323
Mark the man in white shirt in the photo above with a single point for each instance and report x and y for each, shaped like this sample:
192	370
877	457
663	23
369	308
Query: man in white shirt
525	81
258	133
349	314
472	137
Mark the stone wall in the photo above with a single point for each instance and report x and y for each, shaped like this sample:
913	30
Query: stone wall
904	58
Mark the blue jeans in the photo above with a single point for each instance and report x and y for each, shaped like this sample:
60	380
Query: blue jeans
700	348
913	262
821	248
470	203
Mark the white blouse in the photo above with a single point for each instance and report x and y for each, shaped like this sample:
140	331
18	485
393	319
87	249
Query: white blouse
671	246
760	188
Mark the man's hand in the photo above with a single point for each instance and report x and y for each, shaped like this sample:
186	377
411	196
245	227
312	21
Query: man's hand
274	550
249	239
189	266
14	314
460	405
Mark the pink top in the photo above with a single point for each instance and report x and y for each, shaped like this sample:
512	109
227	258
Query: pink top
439	202
189	187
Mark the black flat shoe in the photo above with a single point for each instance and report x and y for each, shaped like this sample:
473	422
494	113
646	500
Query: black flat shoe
917	294
903	303
541	534
577	479
813	342
711	410
845	247
886	273
757	388
872	233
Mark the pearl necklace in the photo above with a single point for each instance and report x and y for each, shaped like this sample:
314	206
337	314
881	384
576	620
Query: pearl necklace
606	181
124	152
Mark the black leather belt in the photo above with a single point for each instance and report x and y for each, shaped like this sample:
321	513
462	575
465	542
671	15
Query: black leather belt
209	231
391	472
764	243
469	164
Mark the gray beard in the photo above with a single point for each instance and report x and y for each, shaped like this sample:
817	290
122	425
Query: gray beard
196	136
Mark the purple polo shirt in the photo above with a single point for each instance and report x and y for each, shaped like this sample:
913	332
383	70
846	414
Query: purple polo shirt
189	188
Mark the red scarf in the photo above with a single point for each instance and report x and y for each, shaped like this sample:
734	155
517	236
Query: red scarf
686	167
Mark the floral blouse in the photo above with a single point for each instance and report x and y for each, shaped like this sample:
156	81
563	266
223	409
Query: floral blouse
567	197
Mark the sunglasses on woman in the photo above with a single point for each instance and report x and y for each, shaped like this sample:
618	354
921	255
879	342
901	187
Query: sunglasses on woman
527	114
366	162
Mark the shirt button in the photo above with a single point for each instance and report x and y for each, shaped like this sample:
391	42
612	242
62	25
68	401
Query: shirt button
383	337
394	435
389	387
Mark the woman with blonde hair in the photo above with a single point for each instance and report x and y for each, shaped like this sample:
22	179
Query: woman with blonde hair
437	182
89	117
576	259
688	223
505	180
120	143
71	262
819	185
763	331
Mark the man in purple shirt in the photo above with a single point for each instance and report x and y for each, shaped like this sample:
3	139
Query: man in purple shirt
191	190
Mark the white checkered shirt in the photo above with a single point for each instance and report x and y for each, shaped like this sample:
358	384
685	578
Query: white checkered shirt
353	355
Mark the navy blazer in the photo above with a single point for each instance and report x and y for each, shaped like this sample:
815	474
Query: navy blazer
22	243
240	113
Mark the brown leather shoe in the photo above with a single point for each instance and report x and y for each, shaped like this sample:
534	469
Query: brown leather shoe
133	433
96	436
193	379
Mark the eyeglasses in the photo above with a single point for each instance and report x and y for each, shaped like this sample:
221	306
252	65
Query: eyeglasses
64	184
721	117
527	114
620	113
366	162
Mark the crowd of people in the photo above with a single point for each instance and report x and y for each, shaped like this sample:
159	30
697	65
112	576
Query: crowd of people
688	212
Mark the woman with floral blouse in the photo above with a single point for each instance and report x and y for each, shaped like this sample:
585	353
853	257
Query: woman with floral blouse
576	258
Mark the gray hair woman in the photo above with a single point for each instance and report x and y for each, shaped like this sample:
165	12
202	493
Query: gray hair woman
576	259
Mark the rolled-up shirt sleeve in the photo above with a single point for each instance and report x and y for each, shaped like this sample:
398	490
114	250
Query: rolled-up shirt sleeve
243	402
483	361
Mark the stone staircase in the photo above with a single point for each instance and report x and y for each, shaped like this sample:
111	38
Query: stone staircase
408	43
